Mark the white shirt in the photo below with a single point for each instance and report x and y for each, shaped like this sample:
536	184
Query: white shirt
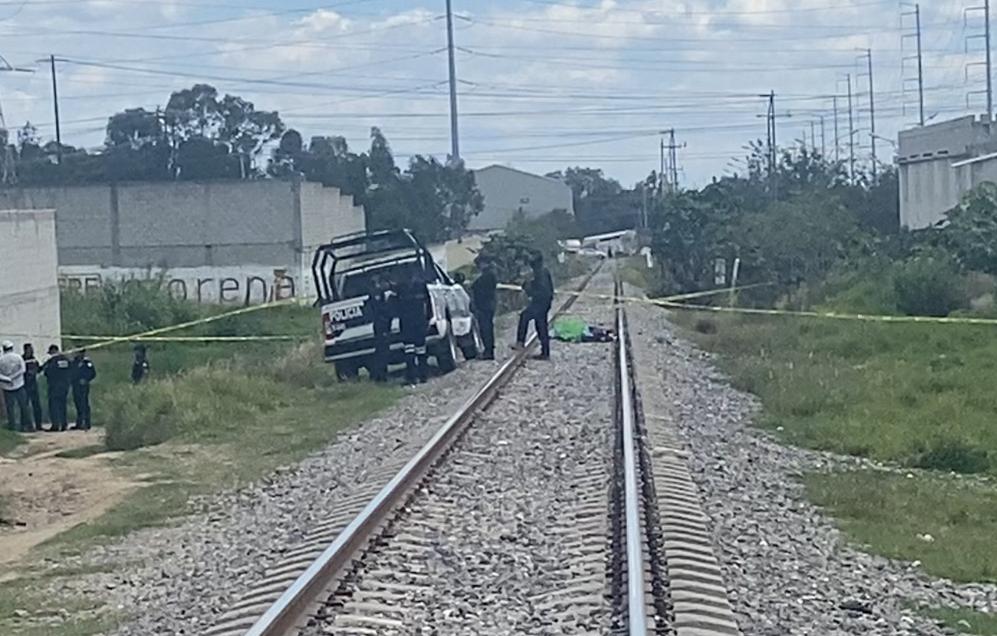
11	371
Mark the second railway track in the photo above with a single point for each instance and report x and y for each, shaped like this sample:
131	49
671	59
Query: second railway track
545	506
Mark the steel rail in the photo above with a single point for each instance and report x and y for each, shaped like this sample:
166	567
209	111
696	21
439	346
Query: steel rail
636	596
281	618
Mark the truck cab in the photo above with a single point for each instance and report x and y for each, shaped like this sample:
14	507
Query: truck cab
345	270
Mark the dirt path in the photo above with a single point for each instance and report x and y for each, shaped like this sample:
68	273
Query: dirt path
43	494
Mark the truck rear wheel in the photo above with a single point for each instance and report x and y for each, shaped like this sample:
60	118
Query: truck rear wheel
446	353
470	345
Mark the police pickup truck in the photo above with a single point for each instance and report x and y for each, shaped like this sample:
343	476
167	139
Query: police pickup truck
344	273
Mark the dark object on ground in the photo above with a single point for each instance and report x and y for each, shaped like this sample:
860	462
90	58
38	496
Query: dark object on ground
140	365
705	326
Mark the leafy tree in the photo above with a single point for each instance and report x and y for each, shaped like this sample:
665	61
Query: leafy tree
601	204
970	229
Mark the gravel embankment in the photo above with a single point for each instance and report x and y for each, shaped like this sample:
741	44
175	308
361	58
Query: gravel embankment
786	564
177	580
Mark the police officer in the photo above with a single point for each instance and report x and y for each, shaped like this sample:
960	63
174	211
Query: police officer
380	310
83	373
484	296
31	370
540	290
413	314
140	363
58	375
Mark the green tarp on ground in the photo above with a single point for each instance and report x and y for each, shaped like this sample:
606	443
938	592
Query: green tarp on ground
570	329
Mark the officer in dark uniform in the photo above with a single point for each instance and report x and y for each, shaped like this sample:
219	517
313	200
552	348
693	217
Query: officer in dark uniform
413	312
140	364
483	294
540	290
59	376
380	310
83	374
31	370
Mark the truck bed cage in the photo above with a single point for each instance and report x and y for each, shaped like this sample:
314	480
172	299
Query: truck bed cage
364	247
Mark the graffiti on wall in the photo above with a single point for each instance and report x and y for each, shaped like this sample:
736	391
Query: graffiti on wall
229	285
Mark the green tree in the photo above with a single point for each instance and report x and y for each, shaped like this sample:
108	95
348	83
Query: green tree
970	229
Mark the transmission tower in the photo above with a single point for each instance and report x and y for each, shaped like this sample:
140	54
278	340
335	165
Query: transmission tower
987	61
912	62
8	166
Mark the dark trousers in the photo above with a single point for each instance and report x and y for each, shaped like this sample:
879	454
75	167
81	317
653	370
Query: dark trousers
18	401
58	396
35	401
486	325
81	399
538	315
416	364
379	364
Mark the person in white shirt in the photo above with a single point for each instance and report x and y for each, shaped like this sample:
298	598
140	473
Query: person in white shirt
12	369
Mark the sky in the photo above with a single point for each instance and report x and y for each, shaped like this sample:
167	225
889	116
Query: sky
543	84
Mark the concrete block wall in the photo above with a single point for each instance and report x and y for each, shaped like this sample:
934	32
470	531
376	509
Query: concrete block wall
197	231
29	289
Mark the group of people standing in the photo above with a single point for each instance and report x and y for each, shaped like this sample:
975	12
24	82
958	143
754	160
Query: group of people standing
540	294
409	302
19	385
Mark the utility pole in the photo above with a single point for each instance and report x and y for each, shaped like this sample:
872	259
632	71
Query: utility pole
990	70
55	103
823	140
770	133
662	180
813	136
851	134
454	132
872	112
673	155
837	138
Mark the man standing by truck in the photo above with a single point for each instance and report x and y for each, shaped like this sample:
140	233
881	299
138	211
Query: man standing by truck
413	314
540	290
380	309
484	296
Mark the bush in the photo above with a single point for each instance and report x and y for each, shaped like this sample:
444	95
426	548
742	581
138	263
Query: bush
197	405
928	284
122	307
953	456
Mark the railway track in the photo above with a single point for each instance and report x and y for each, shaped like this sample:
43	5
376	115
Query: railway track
569	515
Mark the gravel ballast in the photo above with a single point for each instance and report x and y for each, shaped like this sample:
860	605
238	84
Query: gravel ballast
788	568
177	580
508	535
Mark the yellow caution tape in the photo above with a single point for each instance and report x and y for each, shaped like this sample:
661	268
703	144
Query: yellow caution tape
198	338
651	301
832	315
193	323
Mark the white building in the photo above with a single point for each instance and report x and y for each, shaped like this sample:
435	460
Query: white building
940	163
508	191
29	286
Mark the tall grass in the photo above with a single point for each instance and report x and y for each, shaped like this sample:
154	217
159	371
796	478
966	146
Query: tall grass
917	395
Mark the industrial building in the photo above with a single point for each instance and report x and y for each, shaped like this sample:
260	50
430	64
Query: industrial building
508	191
29	287
225	241
940	163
